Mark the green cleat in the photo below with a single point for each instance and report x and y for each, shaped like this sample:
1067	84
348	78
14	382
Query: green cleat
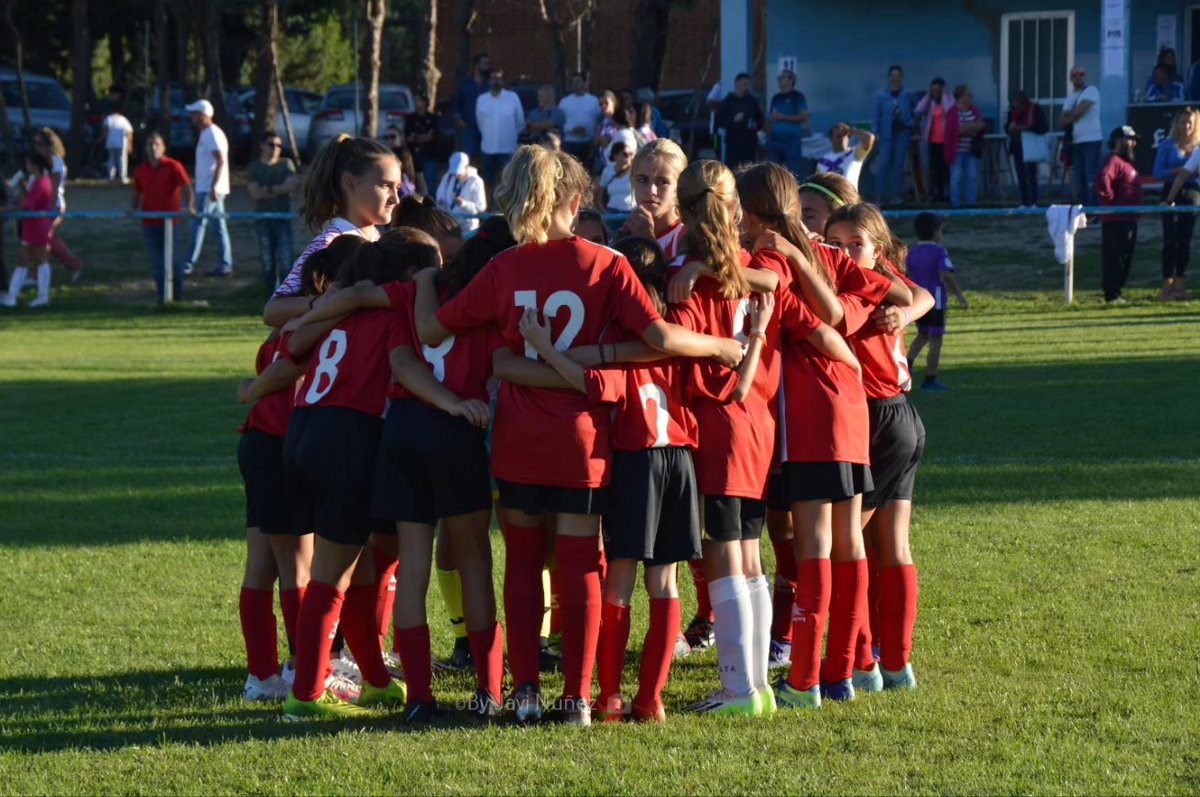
767	697
868	680
394	695
327	706
722	703
902	679
787	696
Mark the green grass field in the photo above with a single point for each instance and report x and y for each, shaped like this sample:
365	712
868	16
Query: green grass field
1057	530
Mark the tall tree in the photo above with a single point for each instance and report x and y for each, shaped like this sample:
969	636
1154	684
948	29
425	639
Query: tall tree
266	100
81	81
372	63
18	50
427	47
212	61
562	18
650	42
468	18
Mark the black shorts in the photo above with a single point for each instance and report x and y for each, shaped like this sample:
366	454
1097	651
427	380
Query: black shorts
825	481
260	458
652	513
932	323
431	465
534	499
731	519
777	497
329	462
897	442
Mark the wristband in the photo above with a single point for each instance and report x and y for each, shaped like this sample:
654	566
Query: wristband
907	317
758	333
600	348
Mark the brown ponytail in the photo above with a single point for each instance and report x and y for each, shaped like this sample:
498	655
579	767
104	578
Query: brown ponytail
708	202
769	191
323	199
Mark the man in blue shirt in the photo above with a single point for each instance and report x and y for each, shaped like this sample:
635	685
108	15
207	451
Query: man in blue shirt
464	104
893	128
787	124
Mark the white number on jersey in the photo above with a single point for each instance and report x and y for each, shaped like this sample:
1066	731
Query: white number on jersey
332	352
653	393
903	375
436	357
557	301
739	322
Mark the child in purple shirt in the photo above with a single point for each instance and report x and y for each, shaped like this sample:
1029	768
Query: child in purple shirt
929	266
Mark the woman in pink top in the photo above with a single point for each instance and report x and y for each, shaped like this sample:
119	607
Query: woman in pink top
932	110
35	233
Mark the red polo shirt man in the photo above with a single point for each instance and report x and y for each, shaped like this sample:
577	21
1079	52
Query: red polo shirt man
158	184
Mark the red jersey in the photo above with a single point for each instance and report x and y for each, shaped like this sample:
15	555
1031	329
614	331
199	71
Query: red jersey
272	412
737	439
555	438
857	289
463	363
670	242
349	367
884	361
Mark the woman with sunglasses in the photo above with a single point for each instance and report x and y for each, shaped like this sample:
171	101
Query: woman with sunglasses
271	180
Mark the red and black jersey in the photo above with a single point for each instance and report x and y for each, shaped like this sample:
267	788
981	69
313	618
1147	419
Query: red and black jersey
555	438
884	361
463	362
349	367
271	413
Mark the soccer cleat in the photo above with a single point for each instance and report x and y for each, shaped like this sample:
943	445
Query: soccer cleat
903	679
654	715
288	674
343	688
699	634
460	659
842	691
346	667
935	386
394	668
780	655
257	690
766	696
614	710
394	694
788	696
41	301
527	703
867	680
549	657
722	703
420	712
576	712
328	705
485	707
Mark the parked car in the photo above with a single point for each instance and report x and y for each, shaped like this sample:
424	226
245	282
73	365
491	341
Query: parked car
302	106
49	104
336	114
686	114
181	140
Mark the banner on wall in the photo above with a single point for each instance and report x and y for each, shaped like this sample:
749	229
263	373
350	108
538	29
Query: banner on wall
1167	26
1114	31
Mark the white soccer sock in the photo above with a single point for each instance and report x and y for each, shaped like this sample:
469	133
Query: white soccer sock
15	283
733	629
760	606
43	284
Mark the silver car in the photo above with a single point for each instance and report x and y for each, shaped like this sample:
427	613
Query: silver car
49	103
301	105
336	114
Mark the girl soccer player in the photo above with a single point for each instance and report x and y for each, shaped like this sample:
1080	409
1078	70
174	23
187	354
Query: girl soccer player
550	451
656	168
897	441
49	144
351	190
35	233
820	195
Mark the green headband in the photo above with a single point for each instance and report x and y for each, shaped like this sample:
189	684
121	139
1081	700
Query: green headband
820	189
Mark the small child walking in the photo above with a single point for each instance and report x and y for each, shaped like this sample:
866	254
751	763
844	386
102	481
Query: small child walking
929	266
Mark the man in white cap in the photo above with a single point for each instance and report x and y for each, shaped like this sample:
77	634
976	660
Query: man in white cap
461	192
212	186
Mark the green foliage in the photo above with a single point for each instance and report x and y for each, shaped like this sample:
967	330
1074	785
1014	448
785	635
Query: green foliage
316	52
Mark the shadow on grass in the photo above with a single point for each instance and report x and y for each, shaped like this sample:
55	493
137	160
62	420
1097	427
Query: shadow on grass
198	706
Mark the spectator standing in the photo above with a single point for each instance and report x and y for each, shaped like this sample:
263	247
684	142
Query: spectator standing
1162	86
787	125
1118	185
614	191
158	183
1024	116
844	159
118	141
47	142
270	181
933	109
547	117
964	147
501	120
645	96
582	114
1080	120
1177	165
465	99
644	113
740	117
212	186
893	127
462	192
421	134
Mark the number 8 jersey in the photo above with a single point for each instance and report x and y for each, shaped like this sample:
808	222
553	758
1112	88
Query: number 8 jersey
555	438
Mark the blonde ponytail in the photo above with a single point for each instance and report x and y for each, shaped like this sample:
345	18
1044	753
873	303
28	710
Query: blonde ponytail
708	202
536	183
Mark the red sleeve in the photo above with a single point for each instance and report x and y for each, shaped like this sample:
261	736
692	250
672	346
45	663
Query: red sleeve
398	294
773	261
631	304
139	180
604	385
687	315
1104	186
860	291
475	305
181	176
495	340
795	319
711	380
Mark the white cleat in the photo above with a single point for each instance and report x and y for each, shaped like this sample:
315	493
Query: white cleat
258	690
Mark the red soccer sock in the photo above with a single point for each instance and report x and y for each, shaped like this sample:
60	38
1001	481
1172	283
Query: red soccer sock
603	565
783	596
813	586
898	607
487	649
289	605
579	565
362	635
524	558
316	626
864	656
658	649
416	659
555	602
255	606
703	604
846	614
614	641
385	589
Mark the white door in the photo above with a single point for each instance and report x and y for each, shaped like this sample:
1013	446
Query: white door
1036	53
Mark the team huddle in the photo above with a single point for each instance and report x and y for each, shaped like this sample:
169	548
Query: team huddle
734	360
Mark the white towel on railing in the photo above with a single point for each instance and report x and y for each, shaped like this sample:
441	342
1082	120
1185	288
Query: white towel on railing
1062	222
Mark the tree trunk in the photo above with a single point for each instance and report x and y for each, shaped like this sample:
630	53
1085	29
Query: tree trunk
81	82
162	37
273	55
376	11
116	54
10	154
468	17
212	62
427	47
19	66
587	22
650	42
266	101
